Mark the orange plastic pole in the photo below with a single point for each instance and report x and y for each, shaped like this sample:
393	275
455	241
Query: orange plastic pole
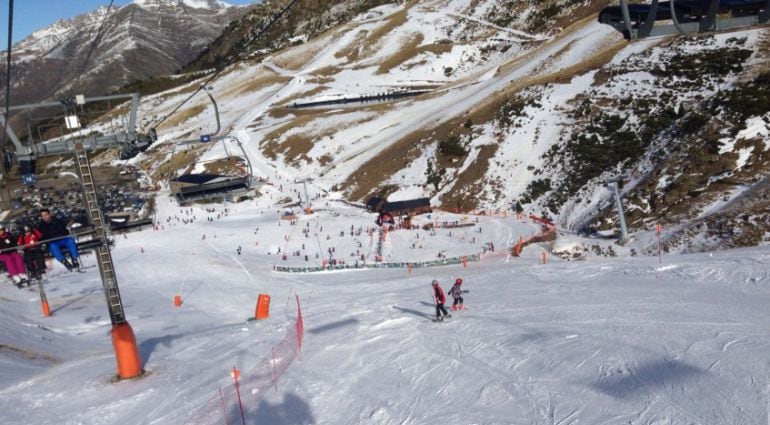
177	300
46	308
126	351
465	262
44	301
263	307
544	258
237	374
409	267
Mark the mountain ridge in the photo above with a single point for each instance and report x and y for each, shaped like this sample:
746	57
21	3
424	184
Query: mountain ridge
140	40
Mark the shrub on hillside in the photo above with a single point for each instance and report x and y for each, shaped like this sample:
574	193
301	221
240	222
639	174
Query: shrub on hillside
451	146
743	102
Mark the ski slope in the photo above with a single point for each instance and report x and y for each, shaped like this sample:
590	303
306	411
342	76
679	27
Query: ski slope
601	341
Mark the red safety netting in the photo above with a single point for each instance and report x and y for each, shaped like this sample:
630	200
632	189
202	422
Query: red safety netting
548	234
225	408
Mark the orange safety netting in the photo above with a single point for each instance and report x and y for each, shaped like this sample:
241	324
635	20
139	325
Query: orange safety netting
224	407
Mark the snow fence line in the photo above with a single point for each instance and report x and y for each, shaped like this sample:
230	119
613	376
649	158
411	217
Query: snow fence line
231	403
548	234
395	265
480	212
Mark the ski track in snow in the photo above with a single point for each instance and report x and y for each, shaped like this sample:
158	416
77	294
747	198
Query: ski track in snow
624	340
605	340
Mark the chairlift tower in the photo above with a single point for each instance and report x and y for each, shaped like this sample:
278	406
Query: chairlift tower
211	138
123	339
307	197
621	216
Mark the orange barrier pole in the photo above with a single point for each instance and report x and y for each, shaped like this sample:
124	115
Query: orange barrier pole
46	308
465	262
177	300
44	301
126	351
544	258
263	307
235	374
409	267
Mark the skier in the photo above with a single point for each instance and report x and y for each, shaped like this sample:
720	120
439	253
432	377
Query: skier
33	252
14	264
440	299
53	229
456	293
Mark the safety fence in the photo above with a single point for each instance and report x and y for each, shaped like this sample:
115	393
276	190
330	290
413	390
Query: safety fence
481	212
377	265
548	234
230	404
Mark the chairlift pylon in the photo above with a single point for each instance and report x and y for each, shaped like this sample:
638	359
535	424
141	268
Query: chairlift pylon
213	138
127	138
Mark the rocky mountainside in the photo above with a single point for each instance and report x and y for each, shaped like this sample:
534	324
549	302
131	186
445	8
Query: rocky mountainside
305	21
531	106
140	40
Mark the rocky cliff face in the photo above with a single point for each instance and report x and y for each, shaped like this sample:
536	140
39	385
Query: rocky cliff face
140	40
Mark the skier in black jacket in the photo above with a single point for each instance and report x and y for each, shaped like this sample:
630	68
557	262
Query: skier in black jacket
53	228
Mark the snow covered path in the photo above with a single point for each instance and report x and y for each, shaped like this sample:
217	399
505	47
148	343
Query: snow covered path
602	341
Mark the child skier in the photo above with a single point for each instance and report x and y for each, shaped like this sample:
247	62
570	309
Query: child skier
33	252
456	294
440	299
14	264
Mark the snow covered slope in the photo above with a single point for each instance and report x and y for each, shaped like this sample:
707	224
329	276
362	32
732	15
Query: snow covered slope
601	341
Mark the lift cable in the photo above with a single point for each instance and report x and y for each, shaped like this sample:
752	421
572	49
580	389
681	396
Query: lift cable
94	43
221	68
8	73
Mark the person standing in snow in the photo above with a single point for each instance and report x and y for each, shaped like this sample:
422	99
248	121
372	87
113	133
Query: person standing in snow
14	264
55	231
33	252
456	293
440	299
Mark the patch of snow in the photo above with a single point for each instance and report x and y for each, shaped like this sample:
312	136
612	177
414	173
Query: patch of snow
743	156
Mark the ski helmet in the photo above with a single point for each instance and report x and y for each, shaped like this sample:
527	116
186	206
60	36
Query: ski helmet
27	228
435	282
458	281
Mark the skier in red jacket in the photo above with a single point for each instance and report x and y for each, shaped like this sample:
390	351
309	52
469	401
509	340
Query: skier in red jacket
440	299
33	252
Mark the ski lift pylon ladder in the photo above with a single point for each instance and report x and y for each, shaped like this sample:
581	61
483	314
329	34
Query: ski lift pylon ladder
104	258
670	17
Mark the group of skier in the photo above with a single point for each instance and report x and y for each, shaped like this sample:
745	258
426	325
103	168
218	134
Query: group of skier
50	230
439	298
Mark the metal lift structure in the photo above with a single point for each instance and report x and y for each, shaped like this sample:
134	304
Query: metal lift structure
129	363
641	20
211	138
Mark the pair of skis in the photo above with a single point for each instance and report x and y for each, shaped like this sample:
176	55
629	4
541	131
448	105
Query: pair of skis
30	281
435	320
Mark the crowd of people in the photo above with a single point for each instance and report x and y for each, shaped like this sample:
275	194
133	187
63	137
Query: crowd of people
23	254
